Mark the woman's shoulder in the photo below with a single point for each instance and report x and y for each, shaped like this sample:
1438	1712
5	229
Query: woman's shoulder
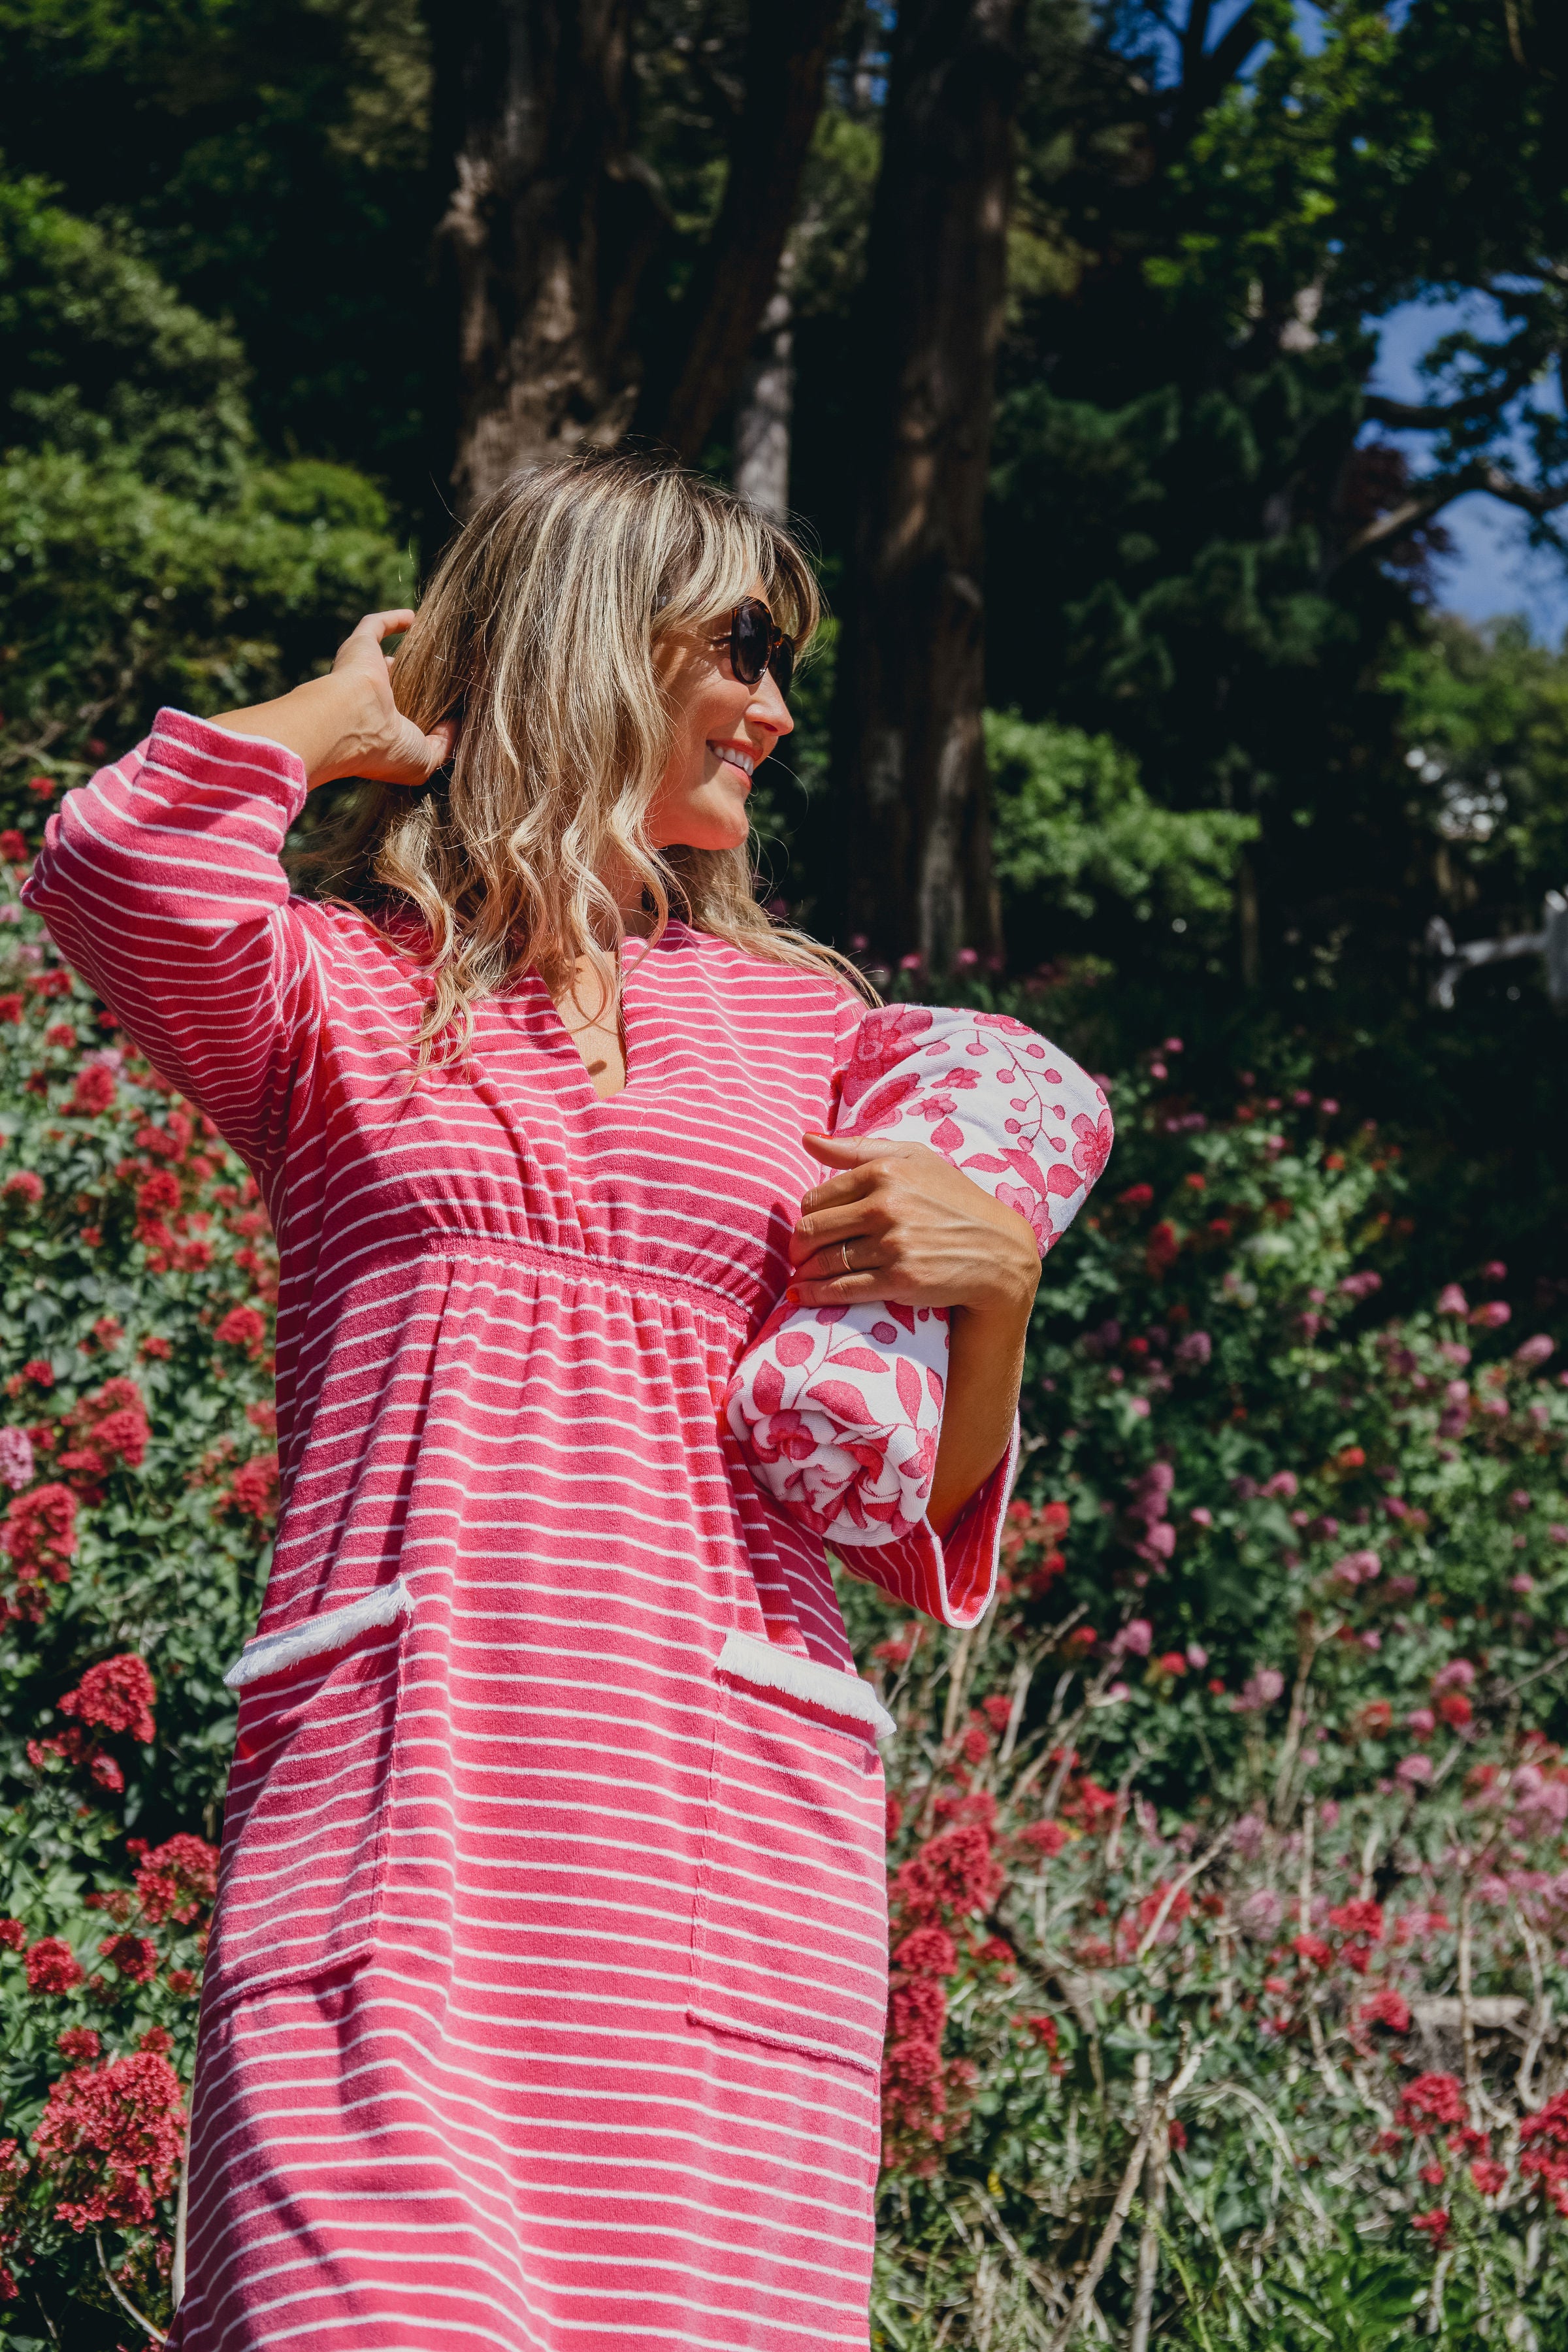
805	999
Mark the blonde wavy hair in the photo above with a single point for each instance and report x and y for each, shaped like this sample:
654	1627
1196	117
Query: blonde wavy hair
541	630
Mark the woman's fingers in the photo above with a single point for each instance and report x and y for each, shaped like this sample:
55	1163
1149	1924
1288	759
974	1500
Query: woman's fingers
842	1290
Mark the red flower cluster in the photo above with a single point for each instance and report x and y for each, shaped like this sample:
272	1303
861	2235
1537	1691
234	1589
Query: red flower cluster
177	1880
1361	1925
94	1090
116	1695
1544	2136
1431	2102
109	2138
108	1427
252	1492
52	1966
1386	2008
242	1327
131	1957
39	1536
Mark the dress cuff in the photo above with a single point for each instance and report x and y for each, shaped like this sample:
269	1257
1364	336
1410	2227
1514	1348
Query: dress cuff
951	1579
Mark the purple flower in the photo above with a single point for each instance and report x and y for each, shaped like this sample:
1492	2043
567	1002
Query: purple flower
1261	1913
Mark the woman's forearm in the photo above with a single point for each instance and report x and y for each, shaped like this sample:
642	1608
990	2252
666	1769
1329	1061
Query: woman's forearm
985	1373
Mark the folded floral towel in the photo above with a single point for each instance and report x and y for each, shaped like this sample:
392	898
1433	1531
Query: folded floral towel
838	1409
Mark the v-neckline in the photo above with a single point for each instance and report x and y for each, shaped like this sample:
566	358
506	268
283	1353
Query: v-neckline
624	971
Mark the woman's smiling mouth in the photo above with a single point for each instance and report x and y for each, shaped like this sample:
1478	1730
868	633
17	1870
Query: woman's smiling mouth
735	755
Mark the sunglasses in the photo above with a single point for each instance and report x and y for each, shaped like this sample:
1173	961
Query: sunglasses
757	644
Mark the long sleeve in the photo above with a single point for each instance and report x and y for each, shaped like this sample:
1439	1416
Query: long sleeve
839	1410
161	883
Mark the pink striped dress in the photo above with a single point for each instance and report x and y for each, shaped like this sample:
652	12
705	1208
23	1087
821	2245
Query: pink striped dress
545	2003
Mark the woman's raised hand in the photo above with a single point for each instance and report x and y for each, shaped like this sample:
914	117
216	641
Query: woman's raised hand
347	723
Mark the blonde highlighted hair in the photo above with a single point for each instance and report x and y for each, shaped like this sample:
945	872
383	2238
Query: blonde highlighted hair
540	631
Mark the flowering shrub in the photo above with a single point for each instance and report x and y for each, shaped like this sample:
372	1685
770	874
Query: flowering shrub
1229	1889
1229	1896
138	1485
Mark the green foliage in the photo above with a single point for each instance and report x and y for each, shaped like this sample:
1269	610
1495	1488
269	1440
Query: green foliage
149	553
1074	828
1484	718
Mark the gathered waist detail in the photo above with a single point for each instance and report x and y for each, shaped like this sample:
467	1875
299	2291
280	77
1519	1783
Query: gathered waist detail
579	1265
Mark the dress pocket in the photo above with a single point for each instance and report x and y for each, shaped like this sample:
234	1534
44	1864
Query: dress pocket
790	1931
305	1838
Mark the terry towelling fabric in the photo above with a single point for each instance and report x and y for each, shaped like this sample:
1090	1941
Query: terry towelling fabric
545	1999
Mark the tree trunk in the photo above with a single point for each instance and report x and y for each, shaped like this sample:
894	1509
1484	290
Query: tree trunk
701	361
550	223
909	747
765	412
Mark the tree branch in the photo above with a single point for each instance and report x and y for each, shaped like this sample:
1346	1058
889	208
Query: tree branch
1413	417
711	335
1439	490
1206	76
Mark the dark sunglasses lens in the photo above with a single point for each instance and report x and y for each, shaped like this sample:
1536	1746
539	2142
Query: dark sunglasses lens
749	634
783	666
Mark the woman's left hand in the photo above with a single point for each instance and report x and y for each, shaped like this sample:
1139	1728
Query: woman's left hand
900	1222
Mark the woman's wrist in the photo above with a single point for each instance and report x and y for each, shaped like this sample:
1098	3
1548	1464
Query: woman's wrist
322	722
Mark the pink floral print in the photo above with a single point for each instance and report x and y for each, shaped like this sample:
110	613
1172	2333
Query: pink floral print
838	1409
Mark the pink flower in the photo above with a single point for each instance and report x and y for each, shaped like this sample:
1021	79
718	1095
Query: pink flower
1260	1691
1261	1913
1493	1315
1421	1721
1416	1772
1452	1301
1197	1657
1457	1675
1136	1637
1534	1352
1202	1517
16	1459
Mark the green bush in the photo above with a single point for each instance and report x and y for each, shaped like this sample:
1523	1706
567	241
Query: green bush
150	551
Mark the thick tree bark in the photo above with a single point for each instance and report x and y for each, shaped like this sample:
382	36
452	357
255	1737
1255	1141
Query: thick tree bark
702	360
910	748
765	413
550	223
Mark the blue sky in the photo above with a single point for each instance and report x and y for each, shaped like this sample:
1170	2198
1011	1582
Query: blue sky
1493	568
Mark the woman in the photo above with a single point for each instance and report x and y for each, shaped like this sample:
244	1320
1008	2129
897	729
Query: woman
545	1998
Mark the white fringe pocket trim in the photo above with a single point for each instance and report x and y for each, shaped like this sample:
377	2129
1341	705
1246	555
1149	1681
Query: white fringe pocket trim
767	1667
272	1652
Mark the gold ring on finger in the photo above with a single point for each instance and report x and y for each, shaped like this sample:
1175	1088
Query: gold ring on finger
844	1252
